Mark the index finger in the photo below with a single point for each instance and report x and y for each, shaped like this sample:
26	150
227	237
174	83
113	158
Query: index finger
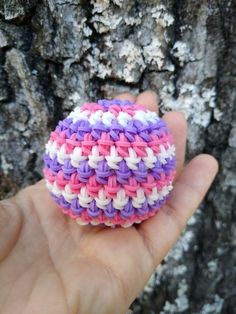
149	99
162	231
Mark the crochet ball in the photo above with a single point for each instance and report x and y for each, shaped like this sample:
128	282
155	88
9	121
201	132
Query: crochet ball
110	163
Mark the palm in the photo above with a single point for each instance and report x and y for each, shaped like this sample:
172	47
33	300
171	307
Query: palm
49	264
65	254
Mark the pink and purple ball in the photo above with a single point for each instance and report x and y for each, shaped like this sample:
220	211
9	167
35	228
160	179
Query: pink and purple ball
110	163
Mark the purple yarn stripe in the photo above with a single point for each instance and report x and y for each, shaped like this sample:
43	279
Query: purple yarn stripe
110	211
103	171
107	103
134	127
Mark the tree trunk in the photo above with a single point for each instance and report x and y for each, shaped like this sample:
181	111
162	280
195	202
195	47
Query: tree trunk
56	54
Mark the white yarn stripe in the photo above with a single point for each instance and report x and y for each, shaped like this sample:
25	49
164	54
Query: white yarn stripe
84	198
53	188
62	155
76	114
132	160
108	222
81	222
77	157
146	117
118	202
68	195
51	149
113	159
94	159
102	201
158	195
138	200
166	153
123	118
107	117
151	159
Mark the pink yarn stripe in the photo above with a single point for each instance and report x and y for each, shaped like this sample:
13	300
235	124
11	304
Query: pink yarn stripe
112	187
115	109
104	143
116	220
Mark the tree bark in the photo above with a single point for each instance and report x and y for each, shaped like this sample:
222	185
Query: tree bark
57	54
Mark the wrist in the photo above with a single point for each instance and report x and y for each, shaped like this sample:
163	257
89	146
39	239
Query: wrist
101	293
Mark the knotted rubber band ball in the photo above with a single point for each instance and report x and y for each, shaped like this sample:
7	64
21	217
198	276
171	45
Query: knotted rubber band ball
110	163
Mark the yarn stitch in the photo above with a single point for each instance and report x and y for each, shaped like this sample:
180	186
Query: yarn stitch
110	163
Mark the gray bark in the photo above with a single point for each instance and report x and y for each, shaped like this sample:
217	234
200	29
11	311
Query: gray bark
56	54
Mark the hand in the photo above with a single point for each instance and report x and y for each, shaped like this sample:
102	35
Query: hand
49	264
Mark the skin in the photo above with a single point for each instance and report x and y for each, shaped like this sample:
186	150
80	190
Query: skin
49	264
